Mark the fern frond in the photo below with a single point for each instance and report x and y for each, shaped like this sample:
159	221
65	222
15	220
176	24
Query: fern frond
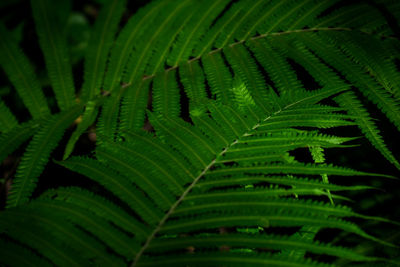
218	132
263	192
192	78
108	120
13	139
263	201
242	96
14	254
88	118
296	168
353	72
298	98
21	74
150	56
219	182
159	182
285	217
99	47
49	227
152	49
237	240
274	218
245	22
275	64
126	40
54	47
165	95
171	179
194	29
188	140
366	125
216	185
293	119
99	206
218	77
296	50
115	239
293	15
375	58
245	67
161	152
133	109
357	16
161	198
229	19
37	154
273	141
122	187
236	259
13	222
7	119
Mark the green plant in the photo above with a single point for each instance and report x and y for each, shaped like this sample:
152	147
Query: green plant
213	183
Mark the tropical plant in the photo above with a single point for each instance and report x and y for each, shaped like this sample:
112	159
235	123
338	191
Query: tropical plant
212	121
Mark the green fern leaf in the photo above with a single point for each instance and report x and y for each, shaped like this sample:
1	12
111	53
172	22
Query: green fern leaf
165	95
127	40
103	230
54	47
235	259
255	241
194	29
99	206
37	154
367	126
12	222
7	119
99	46
214	172
21	74
13	139
218	76
50	227
192	78
14	254
88	118
364	82
121	187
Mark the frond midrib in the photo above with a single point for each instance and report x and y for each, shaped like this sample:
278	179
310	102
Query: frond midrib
205	170
150	76
195	181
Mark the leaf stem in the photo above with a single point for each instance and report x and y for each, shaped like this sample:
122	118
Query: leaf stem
273	34
189	188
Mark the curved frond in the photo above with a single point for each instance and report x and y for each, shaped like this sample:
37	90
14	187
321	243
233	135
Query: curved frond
366	124
99	47
214	123
21	73
7	119
14	254
54	46
37	154
88	118
13	139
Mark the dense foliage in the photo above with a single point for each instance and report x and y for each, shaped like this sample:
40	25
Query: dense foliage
200	132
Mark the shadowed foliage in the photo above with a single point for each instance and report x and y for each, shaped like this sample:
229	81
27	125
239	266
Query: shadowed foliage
213	119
